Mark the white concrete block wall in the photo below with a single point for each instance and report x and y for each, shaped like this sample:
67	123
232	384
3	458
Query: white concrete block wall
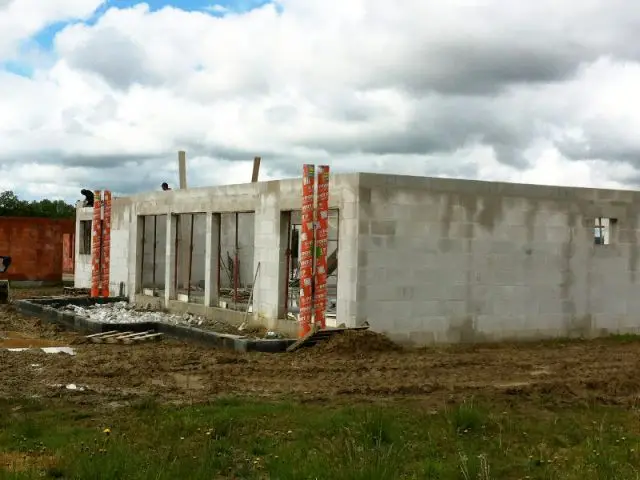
121	218
428	260
262	237
119	262
451	261
268	298
347	292
82	270
82	273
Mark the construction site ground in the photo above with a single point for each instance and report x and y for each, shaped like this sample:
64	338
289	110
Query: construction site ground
530	410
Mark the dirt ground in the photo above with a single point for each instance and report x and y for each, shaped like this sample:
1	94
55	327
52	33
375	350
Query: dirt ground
354	367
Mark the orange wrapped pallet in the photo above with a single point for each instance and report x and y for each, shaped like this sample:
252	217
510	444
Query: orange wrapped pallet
306	246
96	243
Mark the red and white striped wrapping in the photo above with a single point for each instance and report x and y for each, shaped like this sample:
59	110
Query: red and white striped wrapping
321	245
106	244
96	242
306	246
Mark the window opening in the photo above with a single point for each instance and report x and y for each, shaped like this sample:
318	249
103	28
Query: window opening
85	237
602	232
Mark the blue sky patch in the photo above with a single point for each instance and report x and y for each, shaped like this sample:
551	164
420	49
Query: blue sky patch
43	40
45	37
17	68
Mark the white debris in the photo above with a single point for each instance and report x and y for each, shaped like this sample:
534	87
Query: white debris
122	312
69	386
73	386
125	313
67	350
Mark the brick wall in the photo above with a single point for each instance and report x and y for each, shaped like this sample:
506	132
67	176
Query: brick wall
36	247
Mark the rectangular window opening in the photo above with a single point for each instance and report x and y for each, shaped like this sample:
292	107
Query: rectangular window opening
85	237
602	231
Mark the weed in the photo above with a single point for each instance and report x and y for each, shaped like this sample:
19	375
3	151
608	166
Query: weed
237	438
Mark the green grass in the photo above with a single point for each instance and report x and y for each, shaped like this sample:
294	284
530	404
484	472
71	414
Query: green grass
278	440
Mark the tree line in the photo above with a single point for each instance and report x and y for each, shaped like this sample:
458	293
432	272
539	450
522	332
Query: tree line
12	206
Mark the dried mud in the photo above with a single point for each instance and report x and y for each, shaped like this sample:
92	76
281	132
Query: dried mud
354	367
354	344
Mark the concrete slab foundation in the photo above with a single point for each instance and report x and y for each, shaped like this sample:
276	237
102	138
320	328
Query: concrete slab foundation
49	310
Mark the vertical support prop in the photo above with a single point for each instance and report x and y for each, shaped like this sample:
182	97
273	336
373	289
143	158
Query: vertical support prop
96	242
287	267
155	249
236	261
321	246
190	258
219	260
142	252
256	169
306	246
106	244
177	250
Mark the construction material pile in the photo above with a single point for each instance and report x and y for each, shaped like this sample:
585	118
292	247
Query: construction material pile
356	343
122	312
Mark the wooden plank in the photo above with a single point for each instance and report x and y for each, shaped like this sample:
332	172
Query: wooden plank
121	338
332	331
105	338
145	338
117	334
303	340
101	334
182	169
256	170
135	334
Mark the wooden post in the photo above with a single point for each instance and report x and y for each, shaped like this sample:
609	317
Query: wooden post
182	168
183	254
256	169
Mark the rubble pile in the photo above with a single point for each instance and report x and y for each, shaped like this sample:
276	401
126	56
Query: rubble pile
123	312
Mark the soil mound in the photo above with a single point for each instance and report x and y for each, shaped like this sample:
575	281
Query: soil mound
356	343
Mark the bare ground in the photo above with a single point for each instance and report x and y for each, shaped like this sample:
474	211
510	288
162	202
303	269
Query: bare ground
352	368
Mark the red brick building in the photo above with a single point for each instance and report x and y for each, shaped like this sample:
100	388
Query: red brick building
37	248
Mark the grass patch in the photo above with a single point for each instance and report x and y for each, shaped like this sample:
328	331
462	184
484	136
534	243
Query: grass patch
280	440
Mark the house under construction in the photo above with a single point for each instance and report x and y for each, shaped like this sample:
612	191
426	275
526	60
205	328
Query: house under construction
422	259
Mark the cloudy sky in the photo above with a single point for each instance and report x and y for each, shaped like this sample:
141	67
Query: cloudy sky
103	94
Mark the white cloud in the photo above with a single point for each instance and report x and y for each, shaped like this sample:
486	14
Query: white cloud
542	92
20	19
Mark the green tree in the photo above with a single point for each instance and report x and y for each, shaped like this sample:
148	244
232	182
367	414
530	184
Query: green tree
12	206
